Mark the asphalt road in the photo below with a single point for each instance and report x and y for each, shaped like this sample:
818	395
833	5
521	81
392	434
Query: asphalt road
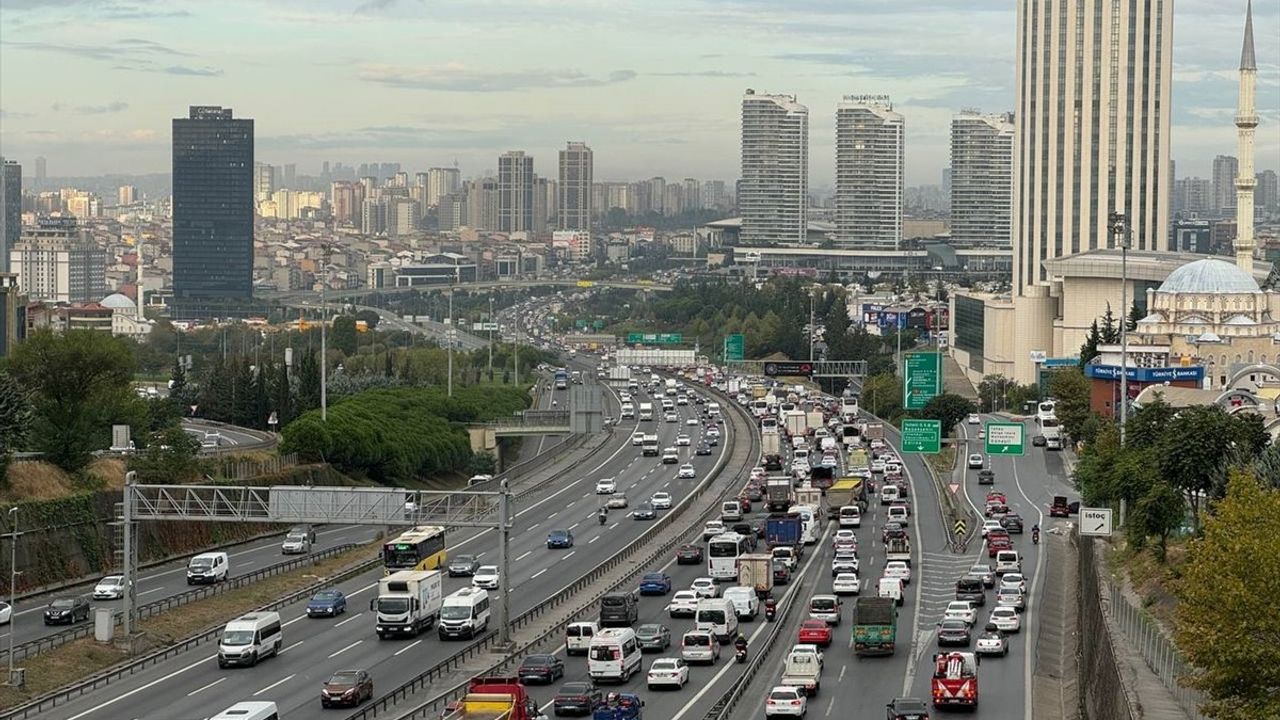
192	686
232	438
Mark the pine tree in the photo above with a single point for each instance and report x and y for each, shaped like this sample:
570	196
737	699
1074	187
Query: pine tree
309	382
1135	314
282	396
1110	331
1089	350
16	418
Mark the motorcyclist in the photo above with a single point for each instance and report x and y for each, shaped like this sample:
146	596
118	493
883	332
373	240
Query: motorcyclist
740	643
770	606
1035	534
603	514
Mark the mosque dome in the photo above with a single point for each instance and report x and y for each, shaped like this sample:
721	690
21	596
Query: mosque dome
118	301
1209	277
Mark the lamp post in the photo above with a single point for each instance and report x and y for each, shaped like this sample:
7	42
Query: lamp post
1120	230
13	584
448	334
324	360
812	329
491	323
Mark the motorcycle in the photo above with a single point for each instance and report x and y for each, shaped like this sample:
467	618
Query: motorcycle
603	518
1035	537
770	610
740	654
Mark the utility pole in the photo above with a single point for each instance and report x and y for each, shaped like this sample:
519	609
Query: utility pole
491	323
813	330
14	681
448	334
504	563
1120	230
326	252
130	560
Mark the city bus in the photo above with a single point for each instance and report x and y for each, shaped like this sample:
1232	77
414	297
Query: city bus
562	379
418	548
723	552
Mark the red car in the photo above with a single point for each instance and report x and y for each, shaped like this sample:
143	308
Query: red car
997	544
815	632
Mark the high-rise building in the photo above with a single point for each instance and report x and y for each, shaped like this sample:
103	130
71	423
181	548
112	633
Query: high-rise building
10	209
290	176
482	204
373	217
573	210
515	192
1267	196
212	205
13	313
869	173
693	194
402	216
1192	197
657	194
126	195
56	262
1225	169
981	179
42	168
264	181
1094	93
545	197
400	179
774	191
452	212
440	182
346	198
673	202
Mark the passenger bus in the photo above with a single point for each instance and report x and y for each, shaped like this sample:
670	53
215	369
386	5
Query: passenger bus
849	407
723	552
562	379
1045	411
418	548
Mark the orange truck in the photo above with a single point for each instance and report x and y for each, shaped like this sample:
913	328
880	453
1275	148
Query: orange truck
955	680
494	698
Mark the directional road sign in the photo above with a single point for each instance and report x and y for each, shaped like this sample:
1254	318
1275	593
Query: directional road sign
960	527
1095	521
733	348
654	338
922	373
1005	438
921	436
788	369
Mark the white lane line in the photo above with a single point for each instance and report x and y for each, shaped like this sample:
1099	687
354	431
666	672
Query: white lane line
613	526
575	525
912	656
408	647
553	514
527	554
206	687
276	684
353	617
292	647
1035	585
135	691
147	592
569	555
535	575
336	653
593	539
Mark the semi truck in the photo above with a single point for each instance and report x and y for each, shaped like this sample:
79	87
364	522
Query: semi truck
795	423
777	491
408	602
815	419
873	431
495	698
875	626
756	572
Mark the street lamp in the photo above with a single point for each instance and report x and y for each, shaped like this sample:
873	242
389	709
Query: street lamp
449	333
13	584
1119	223
491	326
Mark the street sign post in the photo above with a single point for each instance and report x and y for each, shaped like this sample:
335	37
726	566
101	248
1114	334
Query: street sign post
922	378
733	348
1005	438
654	338
788	369
1095	522
921	436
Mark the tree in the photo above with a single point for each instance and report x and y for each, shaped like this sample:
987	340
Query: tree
1266	467
16	419
1145	427
1226	621
1195	450
1089	350
1158	512
1071	388
370	318
992	392
482	463
948	408
171	456
882	395
343	336
1109	331
308	382
1135	314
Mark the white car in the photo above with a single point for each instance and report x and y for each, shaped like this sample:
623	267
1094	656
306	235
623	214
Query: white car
976	462
684	603
1011	597
705	587
809	648
713	431
844	564
6	613
846	583
898	569
974	419
110	587
786	701
606	486
671	417
992	643
682	440
757	473
1006	619
961	610
668	672
877	465
1013	580
638	438
616	500
712	529
686	472
486	577
660	500
988	525
691	421
845	537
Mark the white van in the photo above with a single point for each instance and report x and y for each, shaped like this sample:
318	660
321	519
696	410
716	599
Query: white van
1007	561
745	601
614	654
249	711
210	567
850	516
898	513
890	587
731	511
577	637
699	646
464	613
825	608
719	616
249	638
713	408
889	494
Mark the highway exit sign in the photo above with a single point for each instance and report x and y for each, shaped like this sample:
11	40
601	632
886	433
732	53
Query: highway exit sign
921	436
1005	438
654	338
733	348
922	378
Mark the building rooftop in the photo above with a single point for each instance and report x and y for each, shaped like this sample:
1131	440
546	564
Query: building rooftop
1151	265
1209	276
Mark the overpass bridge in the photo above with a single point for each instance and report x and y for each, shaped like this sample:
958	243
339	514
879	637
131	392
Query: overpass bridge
354	293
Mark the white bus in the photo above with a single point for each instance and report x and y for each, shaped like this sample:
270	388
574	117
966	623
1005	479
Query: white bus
768	424
1044	411
723	553
759	408
849	407
809	521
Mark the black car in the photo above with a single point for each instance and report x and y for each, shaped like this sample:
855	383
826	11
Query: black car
653	636
954	632
576	698
748	531
544	669
781	573
1039	441
644	511
971	588
703	449
1012	522
754	492
67	610
463	565
689	555
712	440
986	477
907	709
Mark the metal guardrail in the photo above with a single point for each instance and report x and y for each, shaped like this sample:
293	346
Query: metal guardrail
31	648
63	695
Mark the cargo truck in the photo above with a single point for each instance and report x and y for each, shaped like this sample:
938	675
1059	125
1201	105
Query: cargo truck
858	464
875	626
873	431
822	476
815	419
777	491
770	444
756	572
897	549
646	411
781	529
955	680
494	698
848	491
795	423
649	446
802	670
808	495
408	602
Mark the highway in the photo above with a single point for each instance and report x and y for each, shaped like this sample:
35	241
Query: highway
191	686
231	438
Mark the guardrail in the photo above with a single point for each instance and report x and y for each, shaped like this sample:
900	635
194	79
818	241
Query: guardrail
386	703
31	648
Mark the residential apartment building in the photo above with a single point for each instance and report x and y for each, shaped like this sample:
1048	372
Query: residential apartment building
773	194
870	156
981	179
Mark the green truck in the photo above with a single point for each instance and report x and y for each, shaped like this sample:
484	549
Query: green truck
875	626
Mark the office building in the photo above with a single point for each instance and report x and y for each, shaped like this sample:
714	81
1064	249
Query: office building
573	210
515	192
1266	197
10	209
212	206
692	194
482	204
347	200
264	181
402	216
981	179
773	194
451	212
57	262
126	195
869	173
1225	169
13	313
441	182
1192	197
373	217
42	168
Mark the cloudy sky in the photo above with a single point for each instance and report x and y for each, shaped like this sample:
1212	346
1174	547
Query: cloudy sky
653	85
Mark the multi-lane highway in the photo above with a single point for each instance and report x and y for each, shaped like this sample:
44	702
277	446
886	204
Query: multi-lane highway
193	686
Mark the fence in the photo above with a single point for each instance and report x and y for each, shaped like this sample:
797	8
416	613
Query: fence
1156	649
1103	692
246	469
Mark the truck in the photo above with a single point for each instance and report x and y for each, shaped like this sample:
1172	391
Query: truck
1052	433
646	411
562	379
576	375
815	419
849	408
671	386
802	669
649	446
494	698
848	491
783	529
619	375
858	464
822	476
408	602
777	492
898	549
808	495
955	680
873	431
795	423
756	572
875	626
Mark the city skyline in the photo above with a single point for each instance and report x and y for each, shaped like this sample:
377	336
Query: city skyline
674	116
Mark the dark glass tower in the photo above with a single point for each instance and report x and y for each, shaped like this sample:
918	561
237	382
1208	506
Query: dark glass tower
212	210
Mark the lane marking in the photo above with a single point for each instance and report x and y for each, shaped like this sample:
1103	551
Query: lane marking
593	539
336	653
1034	605
407	648
206	687
535	575
566	557
292	647
276	684
353	617
111	701
527	554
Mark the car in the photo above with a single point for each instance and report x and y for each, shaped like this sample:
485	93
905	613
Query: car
6	613
892	531
655	583
996	543
542	669
1013	580
684	603
845	536
989	525
846	583
671	417
976	462
691	421
686	472
576	698
670	456
898	569
907	709
877	465
712	529
486	577
1005	618
689	555
682	440
1039	441
667	672
787	701
67	610
463	565
110	587
606	486
1011	597
961	610
559	539
637	438
327	603
653	636
713	431
1012	523
844	564
346	687
986	477
954	632
705	587
781	572
815	632
992	642
616	501
973	419
808	648
660	500
702	449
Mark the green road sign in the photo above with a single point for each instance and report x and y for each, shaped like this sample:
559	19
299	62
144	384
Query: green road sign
921	436
654	338
1005	438
598	325
922	373
733	348
581	323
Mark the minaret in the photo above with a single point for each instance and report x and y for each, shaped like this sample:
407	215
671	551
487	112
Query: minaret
1246	122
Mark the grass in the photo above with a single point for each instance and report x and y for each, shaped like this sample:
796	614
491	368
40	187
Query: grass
37	480
77	660
1150	579
943	462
